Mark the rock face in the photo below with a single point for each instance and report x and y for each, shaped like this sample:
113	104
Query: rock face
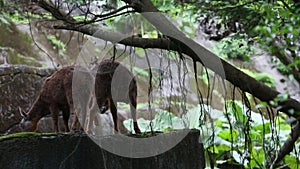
78	151
19	87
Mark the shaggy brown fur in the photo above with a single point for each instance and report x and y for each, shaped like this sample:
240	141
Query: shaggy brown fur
113	83
55	95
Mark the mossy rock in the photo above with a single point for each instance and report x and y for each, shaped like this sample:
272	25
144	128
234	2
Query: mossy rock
78	151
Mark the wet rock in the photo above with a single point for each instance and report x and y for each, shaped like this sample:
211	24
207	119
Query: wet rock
77	150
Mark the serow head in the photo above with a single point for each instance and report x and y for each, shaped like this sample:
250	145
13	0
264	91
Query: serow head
26	124
103	109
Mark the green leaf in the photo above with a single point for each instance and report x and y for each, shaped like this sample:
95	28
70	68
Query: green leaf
263	127
219	123
223	147
257	158
192	117
256	137
282	97
237	111
292	161
3	20
228	135
282	124
139	71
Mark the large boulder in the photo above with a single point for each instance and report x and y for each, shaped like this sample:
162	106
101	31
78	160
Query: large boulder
78	151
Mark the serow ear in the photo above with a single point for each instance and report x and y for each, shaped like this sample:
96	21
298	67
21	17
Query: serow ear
22	113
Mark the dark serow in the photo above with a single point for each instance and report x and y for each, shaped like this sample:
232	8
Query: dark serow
115	83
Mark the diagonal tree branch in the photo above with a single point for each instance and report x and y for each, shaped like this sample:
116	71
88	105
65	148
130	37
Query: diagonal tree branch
236	77
177	41
286	148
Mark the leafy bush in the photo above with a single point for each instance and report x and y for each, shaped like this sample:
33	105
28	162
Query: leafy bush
185	17
263	77
235	47
283	68
241	136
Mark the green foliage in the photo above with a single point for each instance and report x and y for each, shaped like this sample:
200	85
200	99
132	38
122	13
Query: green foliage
17	58
185	16
17	18
263	77
232	139
12	11
285	25
163	121
18	46
235	47
57	44
26	134
274	25
75	1
139	71
291	161
266	79
132	24
3	20
285	69
229	135
231	128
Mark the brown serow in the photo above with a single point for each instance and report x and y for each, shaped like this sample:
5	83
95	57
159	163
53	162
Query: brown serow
56	95
115	83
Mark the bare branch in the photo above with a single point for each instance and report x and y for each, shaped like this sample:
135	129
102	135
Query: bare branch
57	13
98	18
115	11
179	42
